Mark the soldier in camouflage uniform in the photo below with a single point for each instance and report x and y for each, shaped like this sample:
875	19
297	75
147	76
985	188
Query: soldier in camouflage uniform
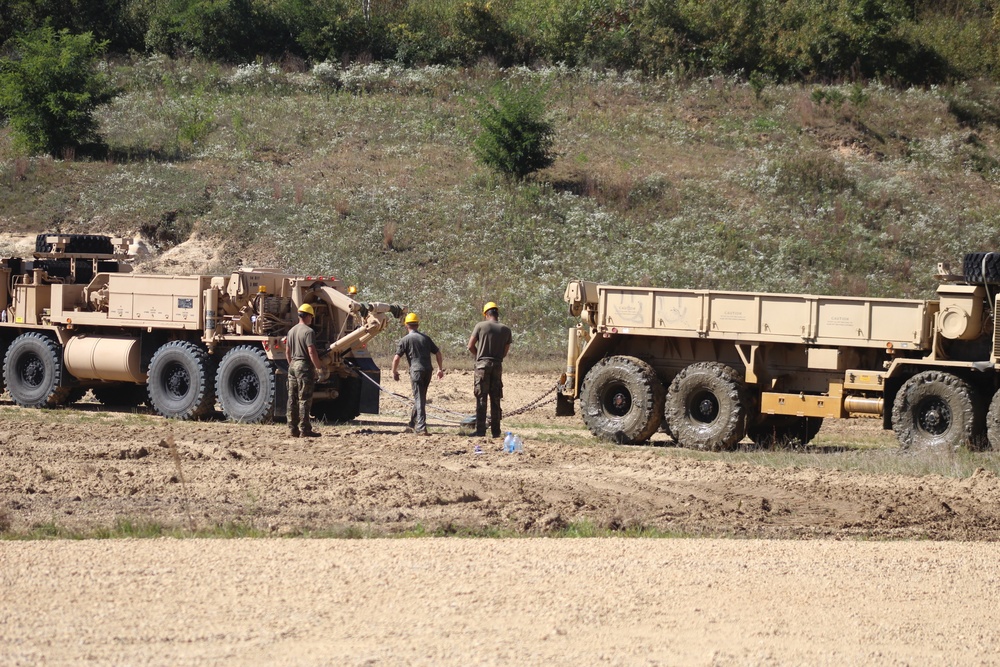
303	365
490	343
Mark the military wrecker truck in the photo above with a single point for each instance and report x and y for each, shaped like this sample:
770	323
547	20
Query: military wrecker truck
77	318
712	367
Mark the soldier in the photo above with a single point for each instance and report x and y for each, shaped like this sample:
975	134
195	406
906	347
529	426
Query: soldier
417	347
303	367
490	342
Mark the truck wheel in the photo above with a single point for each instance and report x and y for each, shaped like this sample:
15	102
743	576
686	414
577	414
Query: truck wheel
707	407
773	431
973	267
246	385
33	371
79	243
180	381
622	400
120	395
993	423
937	410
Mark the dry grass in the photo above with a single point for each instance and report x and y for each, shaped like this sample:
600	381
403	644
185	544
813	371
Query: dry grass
662	182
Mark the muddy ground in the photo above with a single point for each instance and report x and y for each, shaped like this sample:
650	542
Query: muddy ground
92	467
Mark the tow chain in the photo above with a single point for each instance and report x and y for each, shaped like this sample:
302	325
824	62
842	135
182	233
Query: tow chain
533	405
537	403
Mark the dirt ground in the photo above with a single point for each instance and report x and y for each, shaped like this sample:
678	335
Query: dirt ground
87	468
928	595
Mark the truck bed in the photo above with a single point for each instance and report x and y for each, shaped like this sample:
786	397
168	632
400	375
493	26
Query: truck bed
754	316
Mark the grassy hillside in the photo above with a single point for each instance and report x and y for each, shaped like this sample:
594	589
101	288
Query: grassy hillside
366	173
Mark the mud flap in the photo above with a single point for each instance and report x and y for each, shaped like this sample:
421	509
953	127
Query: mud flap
565	406
281	389
369	391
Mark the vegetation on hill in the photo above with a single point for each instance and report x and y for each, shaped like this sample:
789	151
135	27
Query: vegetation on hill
831	146
913	41
367	172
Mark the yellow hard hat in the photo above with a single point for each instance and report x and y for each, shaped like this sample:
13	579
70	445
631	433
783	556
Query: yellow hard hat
411	318
307	309
489	306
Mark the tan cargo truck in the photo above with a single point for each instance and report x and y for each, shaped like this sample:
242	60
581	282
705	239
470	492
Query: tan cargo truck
78	319
712	367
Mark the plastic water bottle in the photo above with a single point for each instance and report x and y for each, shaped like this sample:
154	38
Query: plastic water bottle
518	444
508	443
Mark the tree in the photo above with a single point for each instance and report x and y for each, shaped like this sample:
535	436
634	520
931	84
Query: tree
50	87
515	138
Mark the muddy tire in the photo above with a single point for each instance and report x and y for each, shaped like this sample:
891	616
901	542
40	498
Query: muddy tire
975	270
246	385
777	431
622	400
707	407
937	410
33	371
181	381
120	395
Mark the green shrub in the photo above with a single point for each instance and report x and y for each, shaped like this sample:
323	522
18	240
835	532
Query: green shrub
50	88
223	29
119	22
333	29
588	32
515	138
830	38
725	35
482	31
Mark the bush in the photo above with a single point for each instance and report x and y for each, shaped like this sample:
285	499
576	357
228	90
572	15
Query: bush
222	29
49	89
332	29
516	138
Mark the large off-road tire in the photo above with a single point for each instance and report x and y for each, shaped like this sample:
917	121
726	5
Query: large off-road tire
622	400
707	407
33	371
993	423
976	271
78	243
121	395
246	385
938	410
181	381
775	431
344	408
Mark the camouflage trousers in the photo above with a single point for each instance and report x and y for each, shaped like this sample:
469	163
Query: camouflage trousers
301	381
488	385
